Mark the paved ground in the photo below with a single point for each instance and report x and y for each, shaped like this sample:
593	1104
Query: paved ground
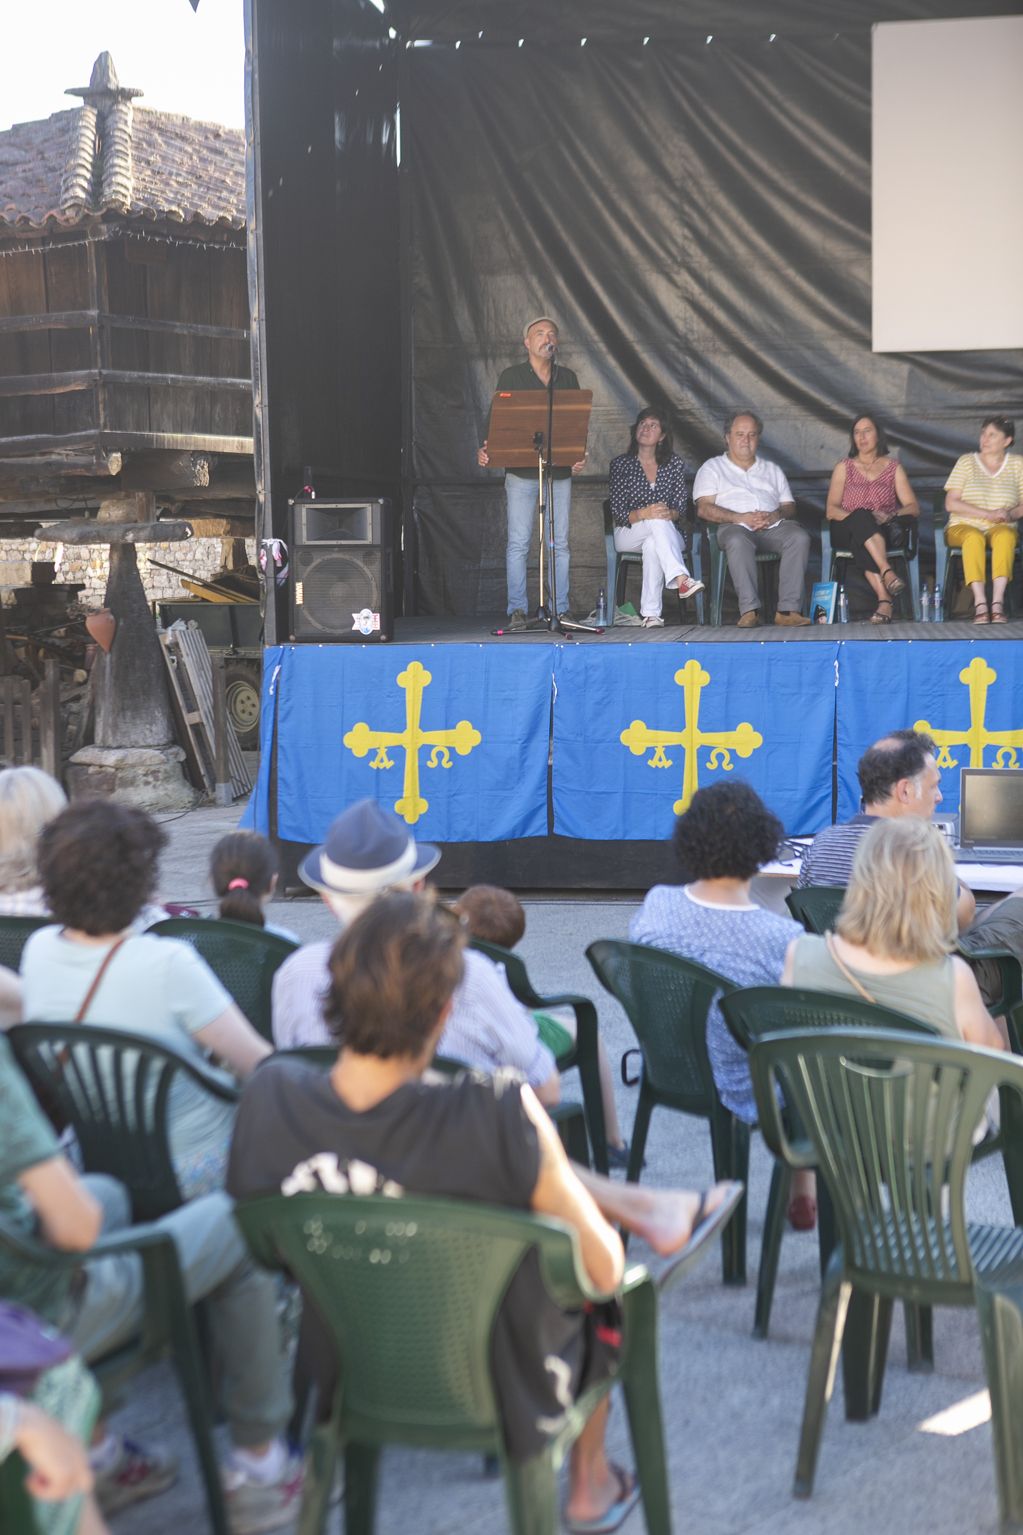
732	1404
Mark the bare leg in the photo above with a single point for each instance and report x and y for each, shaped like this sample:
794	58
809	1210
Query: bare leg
979	591
662	1217
998	585
592	1485
804	1181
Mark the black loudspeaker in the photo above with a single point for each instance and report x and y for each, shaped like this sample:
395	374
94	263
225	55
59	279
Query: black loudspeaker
341	585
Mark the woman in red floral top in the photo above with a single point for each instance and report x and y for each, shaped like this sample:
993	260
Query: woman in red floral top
869	492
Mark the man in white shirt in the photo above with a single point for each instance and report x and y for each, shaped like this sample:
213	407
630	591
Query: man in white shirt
368	851
750	501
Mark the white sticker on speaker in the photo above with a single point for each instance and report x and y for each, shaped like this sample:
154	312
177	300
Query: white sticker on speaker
366	621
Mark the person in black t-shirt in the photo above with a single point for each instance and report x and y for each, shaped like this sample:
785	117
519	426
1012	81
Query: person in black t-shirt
381	1119
540	339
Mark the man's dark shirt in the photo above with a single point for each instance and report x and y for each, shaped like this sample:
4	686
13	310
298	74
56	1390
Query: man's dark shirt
521	376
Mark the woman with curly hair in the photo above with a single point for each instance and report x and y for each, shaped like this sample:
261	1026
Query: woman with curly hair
98	863
721	842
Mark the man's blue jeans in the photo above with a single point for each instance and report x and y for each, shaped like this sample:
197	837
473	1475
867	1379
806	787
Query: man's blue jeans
523	519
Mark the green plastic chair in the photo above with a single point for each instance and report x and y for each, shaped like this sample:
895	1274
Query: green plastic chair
816	906
1010	974
242	957
759	1010
888	1122
666	999
413	1339
168	1330
584	1051
112	1088
14	934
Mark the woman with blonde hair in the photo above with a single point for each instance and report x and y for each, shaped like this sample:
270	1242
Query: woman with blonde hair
894	936
29	800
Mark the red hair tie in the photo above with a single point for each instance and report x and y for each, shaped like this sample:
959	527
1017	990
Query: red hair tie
238	884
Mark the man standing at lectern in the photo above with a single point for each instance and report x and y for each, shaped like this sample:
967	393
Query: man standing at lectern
540	338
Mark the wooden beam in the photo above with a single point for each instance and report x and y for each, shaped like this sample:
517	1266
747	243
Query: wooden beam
219	527
199	442
89	378
166	471
79	319
64	319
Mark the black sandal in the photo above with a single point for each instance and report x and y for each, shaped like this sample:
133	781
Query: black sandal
882	618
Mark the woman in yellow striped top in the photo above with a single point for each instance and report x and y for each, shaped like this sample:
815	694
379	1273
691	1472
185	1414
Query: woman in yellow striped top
984	502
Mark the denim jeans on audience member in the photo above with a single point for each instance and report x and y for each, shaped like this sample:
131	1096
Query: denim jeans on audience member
523	521
216	1267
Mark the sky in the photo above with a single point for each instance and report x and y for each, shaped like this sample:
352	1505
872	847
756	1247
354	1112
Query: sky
183	61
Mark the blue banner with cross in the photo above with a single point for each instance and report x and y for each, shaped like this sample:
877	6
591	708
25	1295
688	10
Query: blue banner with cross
968	696
453	738
638	729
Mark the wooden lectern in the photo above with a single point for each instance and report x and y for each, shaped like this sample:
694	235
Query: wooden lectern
518	422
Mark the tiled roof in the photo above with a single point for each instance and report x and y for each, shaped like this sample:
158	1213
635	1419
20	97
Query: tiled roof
110	157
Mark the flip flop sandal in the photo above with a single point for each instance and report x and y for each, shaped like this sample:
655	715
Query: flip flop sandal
706	1223
614	1517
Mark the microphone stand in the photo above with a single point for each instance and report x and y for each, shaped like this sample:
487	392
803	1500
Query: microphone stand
557	623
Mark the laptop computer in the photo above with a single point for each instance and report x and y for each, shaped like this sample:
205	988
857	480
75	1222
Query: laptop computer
990	816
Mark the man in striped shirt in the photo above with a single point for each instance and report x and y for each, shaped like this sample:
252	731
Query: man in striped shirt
898	776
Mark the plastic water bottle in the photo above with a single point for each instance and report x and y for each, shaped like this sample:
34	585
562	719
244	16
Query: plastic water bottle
925	605
936	605
601	607
843	606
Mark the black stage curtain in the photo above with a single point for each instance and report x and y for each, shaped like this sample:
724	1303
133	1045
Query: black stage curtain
697	217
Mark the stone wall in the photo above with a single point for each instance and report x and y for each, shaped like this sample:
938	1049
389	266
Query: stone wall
88	564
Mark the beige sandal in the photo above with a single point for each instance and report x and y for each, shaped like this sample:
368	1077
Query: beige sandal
980	613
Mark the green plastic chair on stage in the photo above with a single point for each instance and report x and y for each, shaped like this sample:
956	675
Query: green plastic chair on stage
666	999
583	1053
947	559
409	1290
168	1331
244	959
113	1089
887	1120
816	906
759	1010
14	934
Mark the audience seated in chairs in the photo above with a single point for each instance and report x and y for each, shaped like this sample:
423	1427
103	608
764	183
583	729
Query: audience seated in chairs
898	776
720	843
43	1197
243	873
496	916
894	936
98	865
368	851
378	1123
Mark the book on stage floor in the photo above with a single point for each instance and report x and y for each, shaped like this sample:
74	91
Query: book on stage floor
822	602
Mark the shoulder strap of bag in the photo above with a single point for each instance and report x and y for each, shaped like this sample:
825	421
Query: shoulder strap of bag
97	978
856	984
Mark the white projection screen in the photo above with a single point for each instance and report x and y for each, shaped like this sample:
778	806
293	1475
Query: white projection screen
947	210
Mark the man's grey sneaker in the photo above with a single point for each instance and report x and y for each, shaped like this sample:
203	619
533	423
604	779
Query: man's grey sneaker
688	587
253	1509
517	620
136	1473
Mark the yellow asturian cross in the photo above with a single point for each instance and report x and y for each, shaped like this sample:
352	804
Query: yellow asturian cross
463	737
639	737
978	677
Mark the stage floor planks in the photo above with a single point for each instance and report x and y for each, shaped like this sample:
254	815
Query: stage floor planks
463	631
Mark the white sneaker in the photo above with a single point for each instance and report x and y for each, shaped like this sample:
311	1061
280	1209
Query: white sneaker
253	1508
653	623
688	587
135	1472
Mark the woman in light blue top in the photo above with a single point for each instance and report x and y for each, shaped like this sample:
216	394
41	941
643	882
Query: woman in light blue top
98	865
